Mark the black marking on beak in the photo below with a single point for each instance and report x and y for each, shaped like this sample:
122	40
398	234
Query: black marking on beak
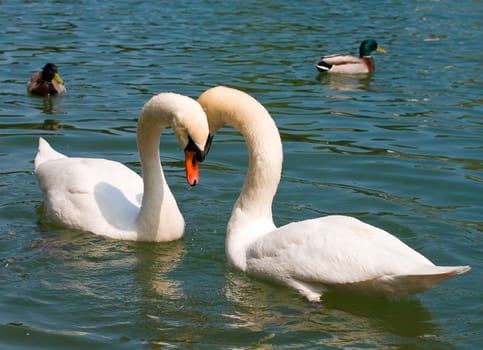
208	145
200	155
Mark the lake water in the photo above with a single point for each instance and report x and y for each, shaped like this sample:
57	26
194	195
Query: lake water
401	149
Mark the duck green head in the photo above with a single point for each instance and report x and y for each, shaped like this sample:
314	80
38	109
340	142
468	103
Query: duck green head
367	46
49	72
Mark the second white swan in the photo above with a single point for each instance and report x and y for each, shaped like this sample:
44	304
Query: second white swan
107	198
311	256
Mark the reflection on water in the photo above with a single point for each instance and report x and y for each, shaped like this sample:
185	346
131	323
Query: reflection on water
117	285
47	124
147	262
339	320
50	124
47	105
154	263
399	317
345	82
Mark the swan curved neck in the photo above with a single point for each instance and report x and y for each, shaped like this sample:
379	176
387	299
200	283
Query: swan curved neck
151	124
152	121
251	216
247	115
264	163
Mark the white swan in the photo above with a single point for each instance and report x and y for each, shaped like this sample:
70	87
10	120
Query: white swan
315	255
107	198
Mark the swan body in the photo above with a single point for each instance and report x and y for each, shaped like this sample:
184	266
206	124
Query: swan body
109	199
348	64
311	256
46	82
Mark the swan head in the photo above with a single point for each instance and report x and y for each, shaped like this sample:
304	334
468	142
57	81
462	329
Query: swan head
190	126
188	121
194	154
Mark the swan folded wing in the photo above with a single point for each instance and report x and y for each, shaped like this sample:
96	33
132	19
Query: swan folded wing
397	286
333	250
74	188
80	175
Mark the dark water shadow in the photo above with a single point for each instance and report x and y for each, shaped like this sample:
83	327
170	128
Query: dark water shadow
407	318
339	319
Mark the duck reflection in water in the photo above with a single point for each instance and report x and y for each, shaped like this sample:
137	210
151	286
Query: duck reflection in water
340	82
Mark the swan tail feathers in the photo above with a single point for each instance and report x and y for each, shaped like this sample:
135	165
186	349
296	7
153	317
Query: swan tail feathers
405	285
46	153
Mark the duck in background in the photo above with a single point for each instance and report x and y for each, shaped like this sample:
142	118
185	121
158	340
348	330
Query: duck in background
46	82
348	64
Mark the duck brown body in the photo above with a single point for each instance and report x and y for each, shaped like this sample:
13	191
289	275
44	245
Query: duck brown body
46	82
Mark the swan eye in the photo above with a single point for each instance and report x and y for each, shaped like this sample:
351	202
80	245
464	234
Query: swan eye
200	155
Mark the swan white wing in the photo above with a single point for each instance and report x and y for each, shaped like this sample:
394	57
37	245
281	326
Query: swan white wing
343	252
96	195
333	250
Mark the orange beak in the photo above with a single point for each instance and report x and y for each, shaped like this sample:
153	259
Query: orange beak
191	164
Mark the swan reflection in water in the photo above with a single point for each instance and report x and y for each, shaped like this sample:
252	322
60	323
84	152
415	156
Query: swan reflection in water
339	319
106	269
154	263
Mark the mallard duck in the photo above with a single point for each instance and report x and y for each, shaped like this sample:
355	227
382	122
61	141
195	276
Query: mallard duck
46	82
350	64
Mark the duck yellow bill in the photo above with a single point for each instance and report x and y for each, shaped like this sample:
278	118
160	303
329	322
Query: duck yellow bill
381	50
58	79
191	164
